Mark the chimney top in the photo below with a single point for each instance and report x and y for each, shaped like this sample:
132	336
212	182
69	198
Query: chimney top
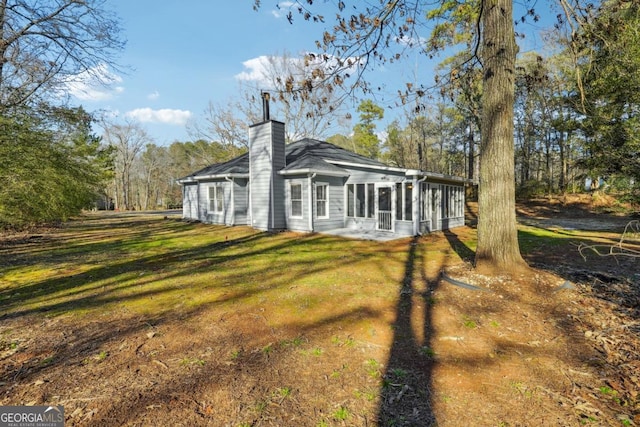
266	96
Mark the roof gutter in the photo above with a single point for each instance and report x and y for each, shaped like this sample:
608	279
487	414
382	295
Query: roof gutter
407	172
360	165
227	176
308	171
440	176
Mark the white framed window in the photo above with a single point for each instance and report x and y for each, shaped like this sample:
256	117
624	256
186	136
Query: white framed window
295	199
322	200
216	199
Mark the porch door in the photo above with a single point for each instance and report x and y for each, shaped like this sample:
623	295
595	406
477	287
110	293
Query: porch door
384	207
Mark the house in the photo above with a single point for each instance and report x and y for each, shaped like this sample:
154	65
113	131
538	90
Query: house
315	186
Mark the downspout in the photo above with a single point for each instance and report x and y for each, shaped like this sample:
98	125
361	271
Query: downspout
250	195
416	207
198	204
233	204
311	177
272	202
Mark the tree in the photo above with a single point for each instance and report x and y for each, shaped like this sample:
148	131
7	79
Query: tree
382	32
127	140
155	177
497	232
364	138
227	123
51	165
46	45
610	98
305	114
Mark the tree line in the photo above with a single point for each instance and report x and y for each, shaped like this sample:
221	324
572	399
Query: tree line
575	113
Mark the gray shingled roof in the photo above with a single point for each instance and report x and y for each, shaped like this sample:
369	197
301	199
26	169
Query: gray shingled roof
238	165
326	151
308	154
308	162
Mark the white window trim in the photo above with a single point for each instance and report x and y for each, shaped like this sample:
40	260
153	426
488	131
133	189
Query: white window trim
291	215
215	199
326	199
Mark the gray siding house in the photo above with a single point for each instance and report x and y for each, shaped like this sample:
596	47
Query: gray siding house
315	186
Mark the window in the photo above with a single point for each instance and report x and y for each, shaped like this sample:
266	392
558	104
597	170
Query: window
322	194
216	199
296	200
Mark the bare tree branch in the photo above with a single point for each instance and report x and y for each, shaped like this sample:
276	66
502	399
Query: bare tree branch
45	45
628	246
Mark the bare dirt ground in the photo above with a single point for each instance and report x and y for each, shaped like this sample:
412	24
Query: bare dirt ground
556	346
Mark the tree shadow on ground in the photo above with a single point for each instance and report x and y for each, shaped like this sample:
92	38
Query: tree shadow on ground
459	247
407	391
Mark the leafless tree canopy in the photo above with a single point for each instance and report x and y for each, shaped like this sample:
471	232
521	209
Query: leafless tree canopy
128	140
46	44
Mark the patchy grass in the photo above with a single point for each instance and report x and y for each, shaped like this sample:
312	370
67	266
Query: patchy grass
212	325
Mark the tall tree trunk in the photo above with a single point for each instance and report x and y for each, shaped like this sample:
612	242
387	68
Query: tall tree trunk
498	248
472	153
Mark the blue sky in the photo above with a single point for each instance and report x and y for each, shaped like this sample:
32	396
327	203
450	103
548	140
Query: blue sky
181	55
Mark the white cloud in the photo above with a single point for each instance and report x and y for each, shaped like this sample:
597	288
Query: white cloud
153	96
96	84
277	13
165	115
257	70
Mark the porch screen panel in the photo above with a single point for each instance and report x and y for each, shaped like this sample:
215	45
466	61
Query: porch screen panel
424	205
445	202
360	200
350	200
371	204
408	201
399	202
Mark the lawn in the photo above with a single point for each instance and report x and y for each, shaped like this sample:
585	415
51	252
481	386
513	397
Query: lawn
146	320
